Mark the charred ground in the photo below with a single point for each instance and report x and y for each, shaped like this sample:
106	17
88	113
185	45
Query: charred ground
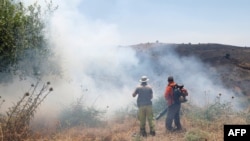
231	62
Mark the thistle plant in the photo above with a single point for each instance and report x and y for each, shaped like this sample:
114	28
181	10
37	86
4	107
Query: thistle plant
1	102
18	117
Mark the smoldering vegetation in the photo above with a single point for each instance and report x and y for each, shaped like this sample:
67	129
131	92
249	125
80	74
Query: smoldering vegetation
86	57
94	78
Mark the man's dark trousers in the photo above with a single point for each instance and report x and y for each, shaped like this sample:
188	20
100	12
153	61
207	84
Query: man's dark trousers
173	114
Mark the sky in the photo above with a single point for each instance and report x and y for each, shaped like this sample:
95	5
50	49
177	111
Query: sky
170	21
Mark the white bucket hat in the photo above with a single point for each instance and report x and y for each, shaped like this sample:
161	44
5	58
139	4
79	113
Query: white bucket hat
144	79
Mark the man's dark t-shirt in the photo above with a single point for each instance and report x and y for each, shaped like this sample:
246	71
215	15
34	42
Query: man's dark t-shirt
145	94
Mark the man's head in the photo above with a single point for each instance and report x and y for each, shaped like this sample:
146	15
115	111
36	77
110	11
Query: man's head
170	79
144	79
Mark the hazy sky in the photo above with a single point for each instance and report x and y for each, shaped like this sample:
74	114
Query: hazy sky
173	21
169	21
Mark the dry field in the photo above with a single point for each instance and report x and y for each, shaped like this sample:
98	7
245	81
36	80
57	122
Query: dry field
209	128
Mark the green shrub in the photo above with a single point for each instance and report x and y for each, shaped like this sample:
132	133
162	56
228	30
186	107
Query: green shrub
159	105
24	50
212	111
78	114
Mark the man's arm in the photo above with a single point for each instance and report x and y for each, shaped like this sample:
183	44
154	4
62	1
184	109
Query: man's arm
166	93
168	96
135	93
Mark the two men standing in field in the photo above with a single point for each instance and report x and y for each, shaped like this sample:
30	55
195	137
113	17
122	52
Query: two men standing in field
144	103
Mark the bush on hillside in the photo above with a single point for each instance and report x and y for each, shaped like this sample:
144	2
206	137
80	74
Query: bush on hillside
79	115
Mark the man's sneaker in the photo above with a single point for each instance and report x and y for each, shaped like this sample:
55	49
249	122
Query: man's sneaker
178	130
152	133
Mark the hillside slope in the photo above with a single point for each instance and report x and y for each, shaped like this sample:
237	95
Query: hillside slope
231	62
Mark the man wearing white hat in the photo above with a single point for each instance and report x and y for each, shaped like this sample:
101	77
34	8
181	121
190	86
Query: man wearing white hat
144	103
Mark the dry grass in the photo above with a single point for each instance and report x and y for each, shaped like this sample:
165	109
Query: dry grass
200	124
128	129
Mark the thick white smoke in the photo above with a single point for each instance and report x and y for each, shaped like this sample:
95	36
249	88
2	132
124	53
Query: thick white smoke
92	62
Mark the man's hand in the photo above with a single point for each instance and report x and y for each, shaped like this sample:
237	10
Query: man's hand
134	94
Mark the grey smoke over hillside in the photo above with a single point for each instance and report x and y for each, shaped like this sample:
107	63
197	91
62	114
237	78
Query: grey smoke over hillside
202	81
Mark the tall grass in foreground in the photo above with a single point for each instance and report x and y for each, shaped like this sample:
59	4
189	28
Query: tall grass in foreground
207	123
15	124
